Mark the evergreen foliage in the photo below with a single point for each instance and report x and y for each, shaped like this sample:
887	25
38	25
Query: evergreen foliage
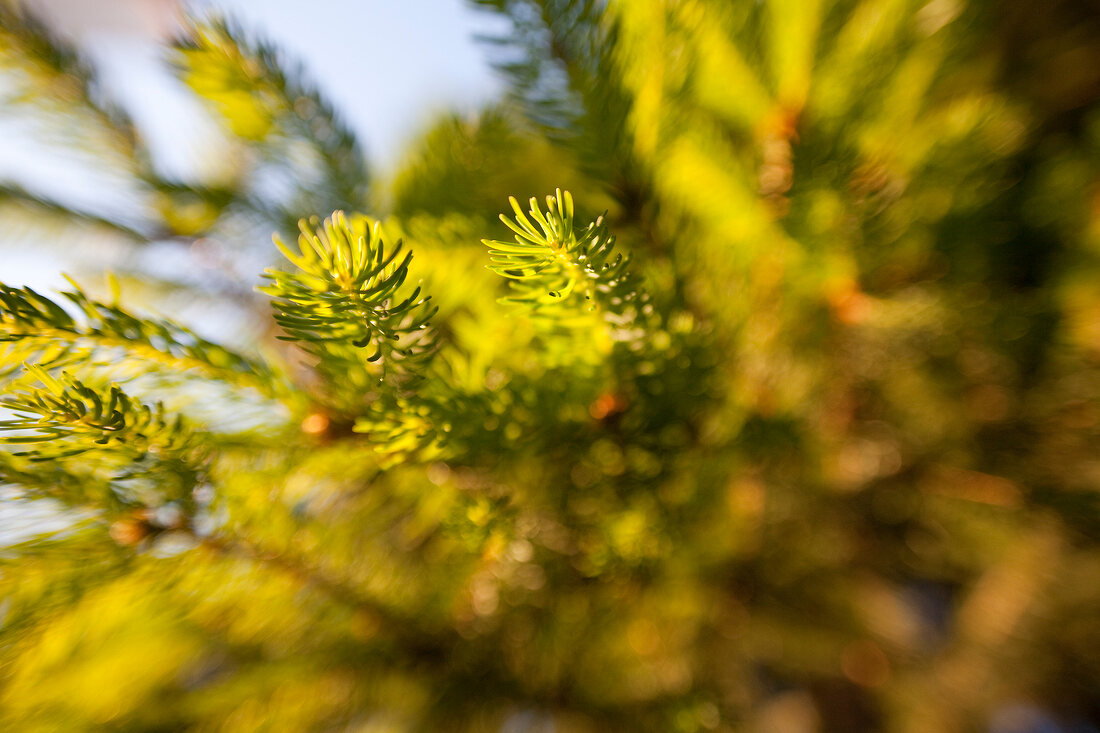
798	434
548	262
345	290
32	320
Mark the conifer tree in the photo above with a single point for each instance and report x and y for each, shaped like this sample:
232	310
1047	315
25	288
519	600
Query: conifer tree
774	407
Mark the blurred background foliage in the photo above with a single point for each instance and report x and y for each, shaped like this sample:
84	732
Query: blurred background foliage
843	476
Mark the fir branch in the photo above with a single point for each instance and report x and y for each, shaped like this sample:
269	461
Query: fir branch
103	449
51	63
74	485
552	60
261	96
558	60
347	292
550	264
77	417
46	352
37	322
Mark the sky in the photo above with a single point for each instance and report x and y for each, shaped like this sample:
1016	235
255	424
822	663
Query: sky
386	63
387	66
